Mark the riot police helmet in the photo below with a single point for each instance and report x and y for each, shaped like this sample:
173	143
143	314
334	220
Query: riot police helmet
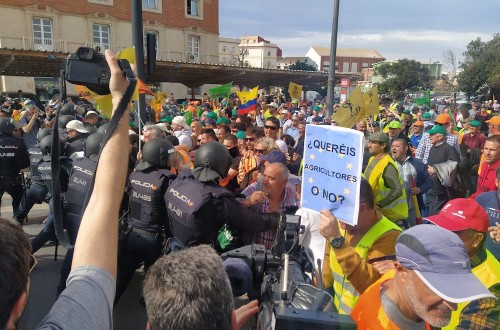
211	161
92	145
43	132
46	145
103	128
157	152
68	109
8	125
64	120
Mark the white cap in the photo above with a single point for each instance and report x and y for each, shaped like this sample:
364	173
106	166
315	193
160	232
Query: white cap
77	126
273	104
91	113
180	120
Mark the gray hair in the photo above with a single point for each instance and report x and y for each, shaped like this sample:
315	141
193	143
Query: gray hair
156	132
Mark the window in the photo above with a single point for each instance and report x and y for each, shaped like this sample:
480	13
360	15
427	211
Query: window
354	67
345	67
146	42
193	48
269	53
42	34
193	7
365	65
149	4
224	48
100	36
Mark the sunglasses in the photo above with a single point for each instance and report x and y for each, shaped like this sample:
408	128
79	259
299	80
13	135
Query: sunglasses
250	139
260	151
33	262
272	128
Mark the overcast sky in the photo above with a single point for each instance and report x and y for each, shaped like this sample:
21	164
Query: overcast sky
420	30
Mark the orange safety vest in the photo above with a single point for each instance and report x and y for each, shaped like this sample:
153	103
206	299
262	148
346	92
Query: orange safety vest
368	312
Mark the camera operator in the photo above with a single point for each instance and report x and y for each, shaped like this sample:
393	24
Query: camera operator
198	207
13	158
352	249
30	124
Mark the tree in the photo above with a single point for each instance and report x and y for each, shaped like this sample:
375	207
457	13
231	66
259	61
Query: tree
302	66
480	67
403	77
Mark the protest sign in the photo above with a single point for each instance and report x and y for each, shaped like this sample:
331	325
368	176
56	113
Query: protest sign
332	171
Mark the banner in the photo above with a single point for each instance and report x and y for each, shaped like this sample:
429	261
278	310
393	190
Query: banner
351	111
221	91
426	100
295	91
248	101
371	101
332	171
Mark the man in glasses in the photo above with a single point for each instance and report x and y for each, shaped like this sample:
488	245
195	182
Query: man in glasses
271	127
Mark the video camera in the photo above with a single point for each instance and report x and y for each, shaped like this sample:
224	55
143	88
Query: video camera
287	299
89	68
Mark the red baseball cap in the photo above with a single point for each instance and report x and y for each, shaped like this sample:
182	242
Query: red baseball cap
460	214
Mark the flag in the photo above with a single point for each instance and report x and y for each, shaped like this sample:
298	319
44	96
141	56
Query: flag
144	89
248	101
351	111
425	100
370	99
221	91
295	91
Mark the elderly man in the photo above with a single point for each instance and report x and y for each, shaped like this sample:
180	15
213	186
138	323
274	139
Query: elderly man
271	193
442	164
291	127
471	146
352	249
77	133
152	132
432	275
416	180
182	131
469	221
383	175
425	145
494	125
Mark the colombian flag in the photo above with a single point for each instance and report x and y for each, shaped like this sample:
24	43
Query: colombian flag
248	101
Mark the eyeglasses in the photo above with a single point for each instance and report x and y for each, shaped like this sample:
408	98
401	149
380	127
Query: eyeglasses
33	262
260	151
272	128
250	139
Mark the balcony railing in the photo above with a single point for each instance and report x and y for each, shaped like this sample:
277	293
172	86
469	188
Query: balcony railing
62	45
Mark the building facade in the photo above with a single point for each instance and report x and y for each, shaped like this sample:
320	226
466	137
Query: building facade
256	52
186	30
347	59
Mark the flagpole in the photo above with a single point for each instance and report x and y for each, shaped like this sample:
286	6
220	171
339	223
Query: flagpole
333	55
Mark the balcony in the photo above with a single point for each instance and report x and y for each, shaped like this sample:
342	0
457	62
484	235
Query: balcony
63	46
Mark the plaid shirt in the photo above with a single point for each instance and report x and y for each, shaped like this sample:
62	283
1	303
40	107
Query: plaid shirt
266	238
425	145
481	313
406	169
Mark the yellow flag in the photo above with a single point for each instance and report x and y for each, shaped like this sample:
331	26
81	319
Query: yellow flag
351	111
127	54
370	99
247	96
295	90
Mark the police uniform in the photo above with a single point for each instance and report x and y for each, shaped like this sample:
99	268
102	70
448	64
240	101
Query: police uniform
147	224
13	157
198	210
75	144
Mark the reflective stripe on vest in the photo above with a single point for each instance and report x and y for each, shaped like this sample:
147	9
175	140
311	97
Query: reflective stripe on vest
489	274
345	294
397	209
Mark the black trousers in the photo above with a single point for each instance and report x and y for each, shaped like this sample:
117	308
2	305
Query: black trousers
14	187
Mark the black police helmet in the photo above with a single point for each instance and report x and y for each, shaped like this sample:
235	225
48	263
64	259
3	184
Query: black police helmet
43	132
103	128
211	161
92	144
67	109
6	125
158	152
64	120
46	145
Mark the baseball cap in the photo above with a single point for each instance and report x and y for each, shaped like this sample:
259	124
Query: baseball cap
426	115
439	259
460	214
475	123
223	120
418	123
91	112
273	104
77	126
275	156
437	129
240	135
443	118
317	119
210	121
379	137
316	108
394	124
495	120
180	120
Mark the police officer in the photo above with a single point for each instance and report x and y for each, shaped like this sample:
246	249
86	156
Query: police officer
37	191
148	223
198	207
79	185
77	133
13	158
45	170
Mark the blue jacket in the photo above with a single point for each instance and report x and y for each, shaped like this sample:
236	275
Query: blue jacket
489	201
424	180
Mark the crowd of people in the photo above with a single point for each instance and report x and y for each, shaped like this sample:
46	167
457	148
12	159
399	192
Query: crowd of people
199	179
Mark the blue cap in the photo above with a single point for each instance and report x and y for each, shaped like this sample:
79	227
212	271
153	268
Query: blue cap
275	156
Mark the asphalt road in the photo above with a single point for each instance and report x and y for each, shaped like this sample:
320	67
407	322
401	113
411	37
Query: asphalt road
128	313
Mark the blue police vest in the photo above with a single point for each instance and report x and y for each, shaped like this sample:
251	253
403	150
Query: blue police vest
79	185
35	157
